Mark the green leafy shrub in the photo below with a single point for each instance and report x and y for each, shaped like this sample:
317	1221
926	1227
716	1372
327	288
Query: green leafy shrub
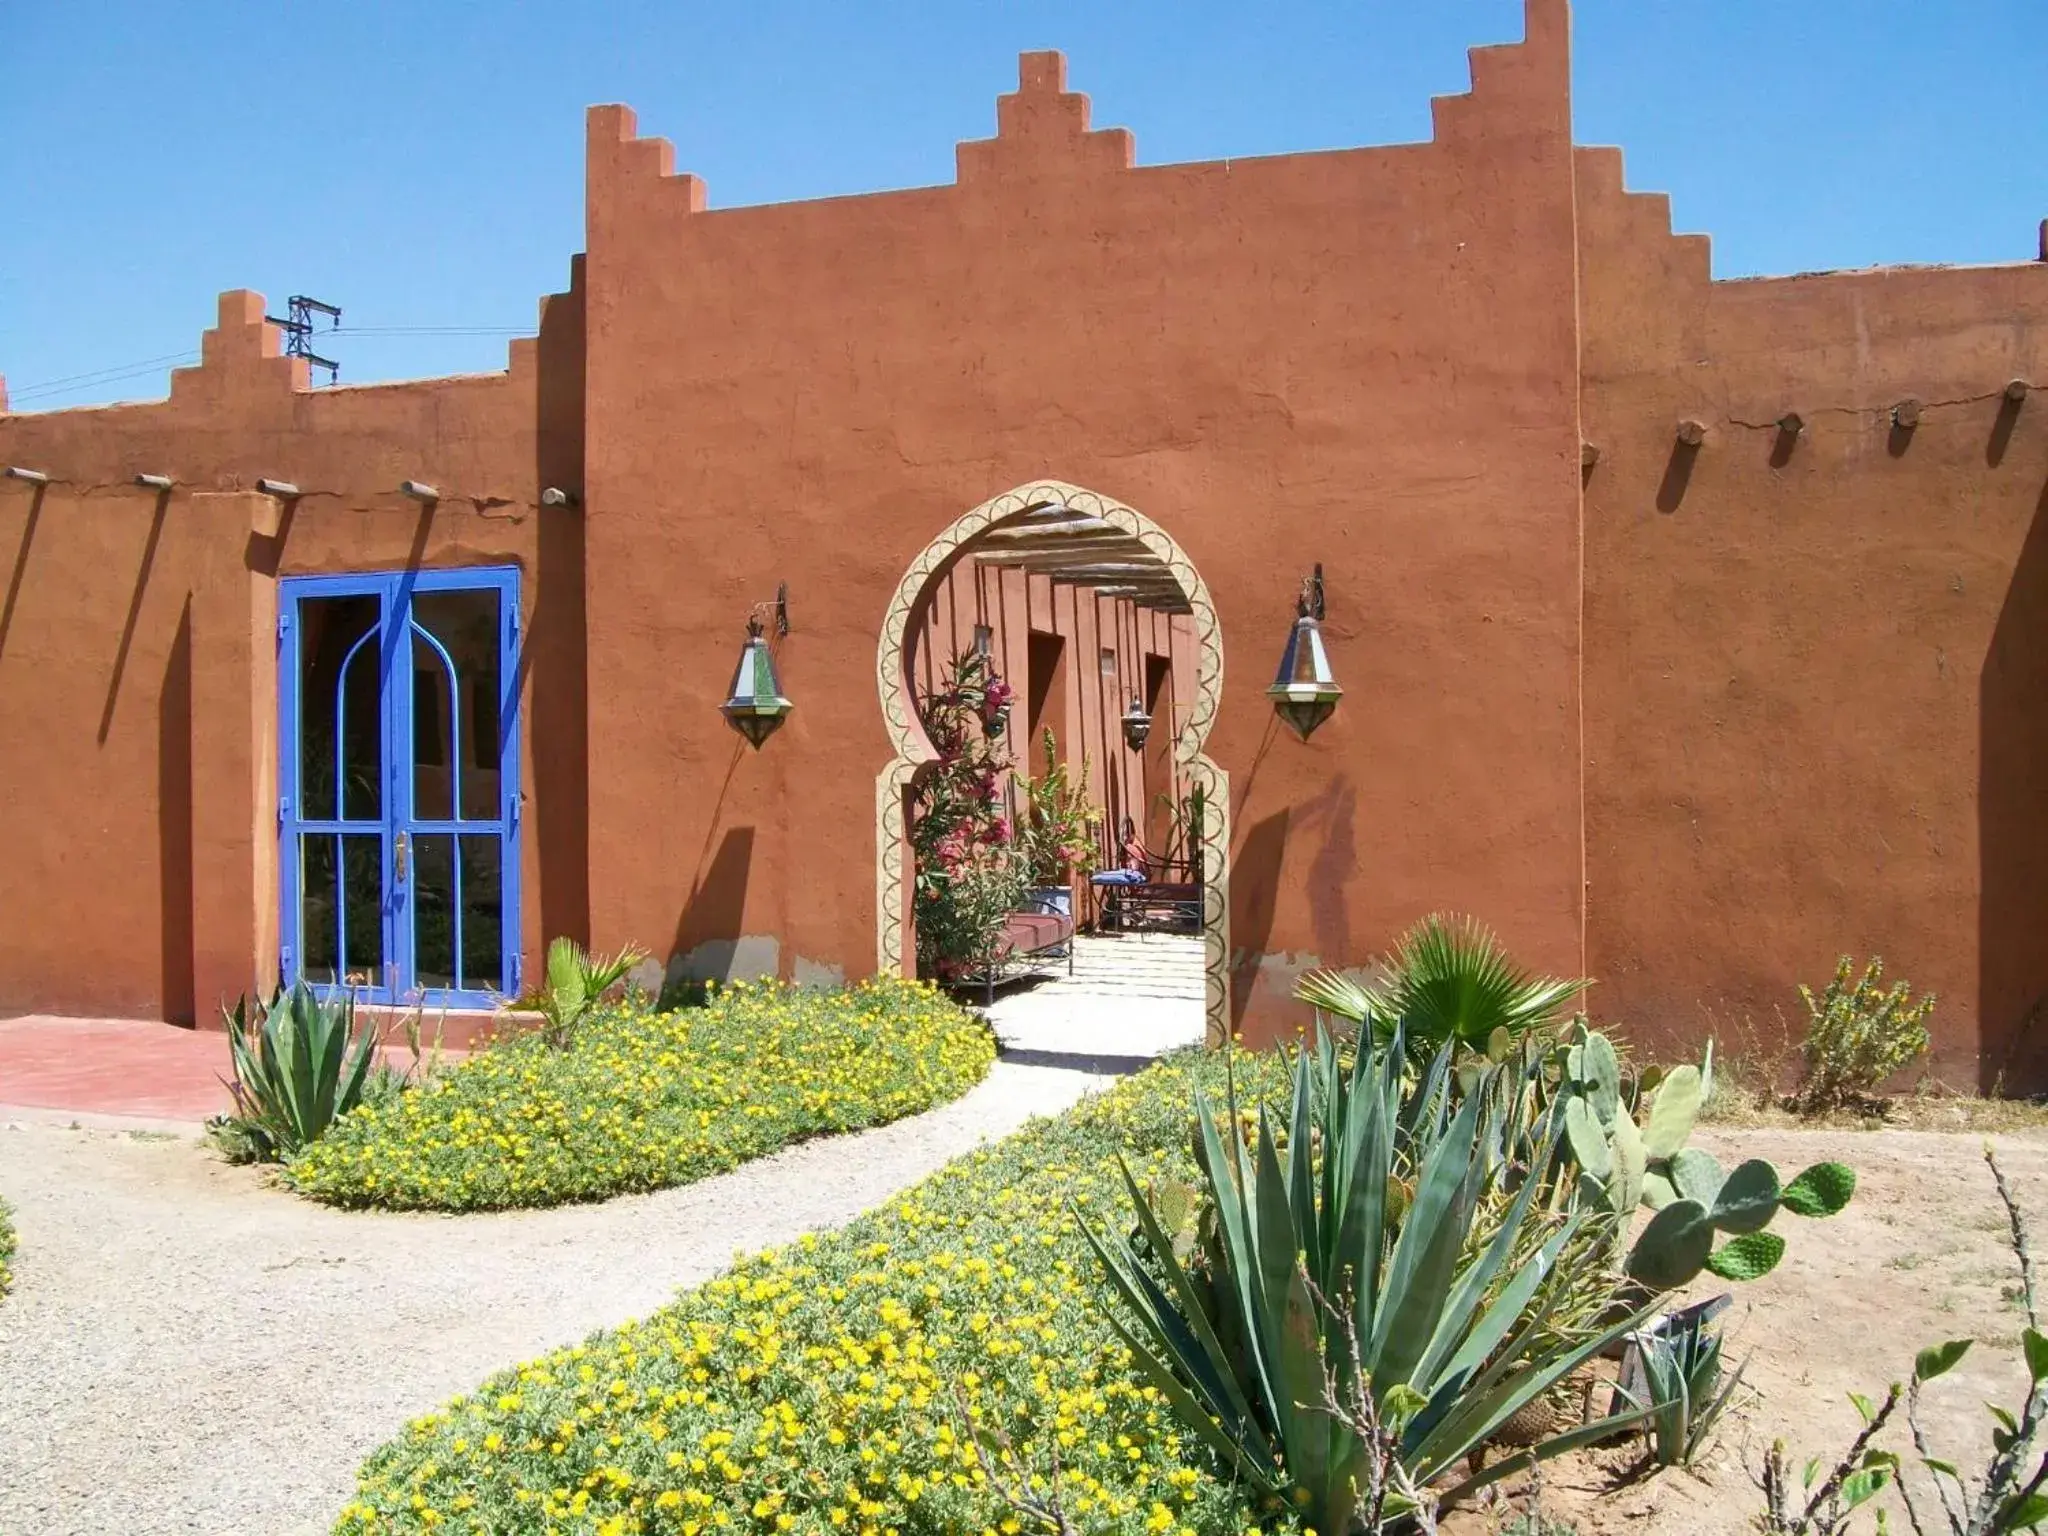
970	873
821	1377
642	1099
1448	979
299	1066
7	1243
2011	1492
1824	1505
1858	1034
1062	826
577	983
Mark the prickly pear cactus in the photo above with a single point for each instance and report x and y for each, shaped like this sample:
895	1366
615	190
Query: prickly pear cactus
1693	1198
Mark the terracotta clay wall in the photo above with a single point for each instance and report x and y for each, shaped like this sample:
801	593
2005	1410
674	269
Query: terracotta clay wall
1365	357
1816	666
1086	709
134	699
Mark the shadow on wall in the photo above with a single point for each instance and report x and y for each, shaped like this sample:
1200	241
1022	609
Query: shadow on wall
1332	815
557	679
1254	892
174	824
2012	831
553	674
21	553
709	944
146	565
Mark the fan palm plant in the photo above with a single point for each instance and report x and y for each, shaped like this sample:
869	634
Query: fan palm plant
1372	1263
1447	980
577	981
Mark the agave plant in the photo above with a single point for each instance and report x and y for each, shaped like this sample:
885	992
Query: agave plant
576	982
299	1065
1683	1384
1372	1263
1447	980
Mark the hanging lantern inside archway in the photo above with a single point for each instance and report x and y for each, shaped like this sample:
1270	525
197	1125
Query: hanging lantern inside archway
1137	725
756	707
1305	694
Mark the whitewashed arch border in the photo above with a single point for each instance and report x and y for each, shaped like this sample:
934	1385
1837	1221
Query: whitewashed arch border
912	750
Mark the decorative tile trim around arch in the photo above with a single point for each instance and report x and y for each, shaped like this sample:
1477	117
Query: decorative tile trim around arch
913	751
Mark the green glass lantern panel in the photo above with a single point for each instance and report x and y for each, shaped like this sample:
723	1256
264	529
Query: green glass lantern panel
1305	693
756	708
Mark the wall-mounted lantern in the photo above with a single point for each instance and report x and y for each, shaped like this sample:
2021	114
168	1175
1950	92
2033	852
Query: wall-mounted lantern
1137	725
996	699
755	707
1305	694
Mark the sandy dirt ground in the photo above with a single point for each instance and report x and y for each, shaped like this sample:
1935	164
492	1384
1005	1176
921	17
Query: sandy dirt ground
1921	1255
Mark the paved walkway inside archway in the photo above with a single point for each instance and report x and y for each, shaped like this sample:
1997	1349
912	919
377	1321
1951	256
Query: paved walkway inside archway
189	1350
1131	997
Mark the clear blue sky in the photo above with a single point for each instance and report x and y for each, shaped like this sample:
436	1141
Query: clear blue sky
420	164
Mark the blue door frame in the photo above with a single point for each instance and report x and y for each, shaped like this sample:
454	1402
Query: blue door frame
383	834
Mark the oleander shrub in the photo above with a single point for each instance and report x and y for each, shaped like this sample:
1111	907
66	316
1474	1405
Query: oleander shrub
642	1099
7	1241
838	1384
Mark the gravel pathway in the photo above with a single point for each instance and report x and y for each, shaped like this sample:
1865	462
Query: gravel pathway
190	1351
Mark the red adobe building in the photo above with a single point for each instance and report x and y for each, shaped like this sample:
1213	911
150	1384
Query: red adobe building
1691	632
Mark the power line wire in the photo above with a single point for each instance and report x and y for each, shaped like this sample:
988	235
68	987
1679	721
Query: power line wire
76	383
100	373
431	330
111	376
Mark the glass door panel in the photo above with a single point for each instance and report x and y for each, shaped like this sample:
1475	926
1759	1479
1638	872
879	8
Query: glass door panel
455	679
334	792
457	818
398	810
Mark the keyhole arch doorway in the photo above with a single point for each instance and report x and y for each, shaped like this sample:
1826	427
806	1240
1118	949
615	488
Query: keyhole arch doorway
1045	500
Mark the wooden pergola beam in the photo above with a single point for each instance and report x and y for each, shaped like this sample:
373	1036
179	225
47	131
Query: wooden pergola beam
1065	543
1032	560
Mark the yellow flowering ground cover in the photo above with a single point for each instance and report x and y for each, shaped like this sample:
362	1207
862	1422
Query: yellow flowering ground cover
836	1385
644	1099
6	1249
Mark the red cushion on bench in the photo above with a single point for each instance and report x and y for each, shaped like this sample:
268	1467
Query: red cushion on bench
1029	932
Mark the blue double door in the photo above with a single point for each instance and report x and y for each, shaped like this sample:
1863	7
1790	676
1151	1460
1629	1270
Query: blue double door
398	803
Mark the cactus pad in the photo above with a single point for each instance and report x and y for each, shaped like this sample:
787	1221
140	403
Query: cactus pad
1631	1163
1821	1190
1749	1257
1671	1116
1697	1176
1748	1199
1673	1247
1588	1138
